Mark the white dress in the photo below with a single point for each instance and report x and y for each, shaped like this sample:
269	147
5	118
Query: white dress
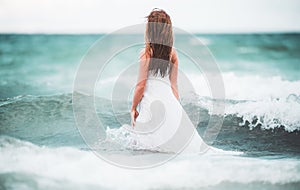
162	124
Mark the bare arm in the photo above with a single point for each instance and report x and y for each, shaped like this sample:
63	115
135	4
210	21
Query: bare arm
142	78
174	74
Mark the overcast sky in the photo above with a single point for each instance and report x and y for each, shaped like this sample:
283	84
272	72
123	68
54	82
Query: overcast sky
94	16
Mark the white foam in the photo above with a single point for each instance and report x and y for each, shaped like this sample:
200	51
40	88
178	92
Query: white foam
85	168
248	87
273	101
270	114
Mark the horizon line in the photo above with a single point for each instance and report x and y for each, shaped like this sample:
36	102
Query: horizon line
105	33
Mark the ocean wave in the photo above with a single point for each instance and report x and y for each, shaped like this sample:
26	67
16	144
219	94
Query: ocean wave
45	167
269	114
265	114
248	87
267	102
53	115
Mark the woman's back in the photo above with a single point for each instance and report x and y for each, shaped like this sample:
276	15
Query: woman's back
161	84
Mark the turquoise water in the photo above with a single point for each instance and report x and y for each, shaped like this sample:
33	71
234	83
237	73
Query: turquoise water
41	147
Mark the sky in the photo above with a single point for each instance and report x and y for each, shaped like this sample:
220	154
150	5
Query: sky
99	16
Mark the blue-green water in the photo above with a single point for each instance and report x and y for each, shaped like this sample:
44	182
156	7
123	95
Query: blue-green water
41	147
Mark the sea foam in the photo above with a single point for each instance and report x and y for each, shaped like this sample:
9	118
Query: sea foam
67	165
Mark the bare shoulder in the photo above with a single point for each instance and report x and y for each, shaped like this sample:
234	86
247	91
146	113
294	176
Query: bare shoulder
174	50
174	58
144	54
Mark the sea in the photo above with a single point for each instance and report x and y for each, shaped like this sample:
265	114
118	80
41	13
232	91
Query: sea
42	147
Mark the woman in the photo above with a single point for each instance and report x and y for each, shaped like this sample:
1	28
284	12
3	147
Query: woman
156	114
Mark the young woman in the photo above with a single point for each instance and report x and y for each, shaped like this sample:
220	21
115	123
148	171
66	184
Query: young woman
156	114
156	50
